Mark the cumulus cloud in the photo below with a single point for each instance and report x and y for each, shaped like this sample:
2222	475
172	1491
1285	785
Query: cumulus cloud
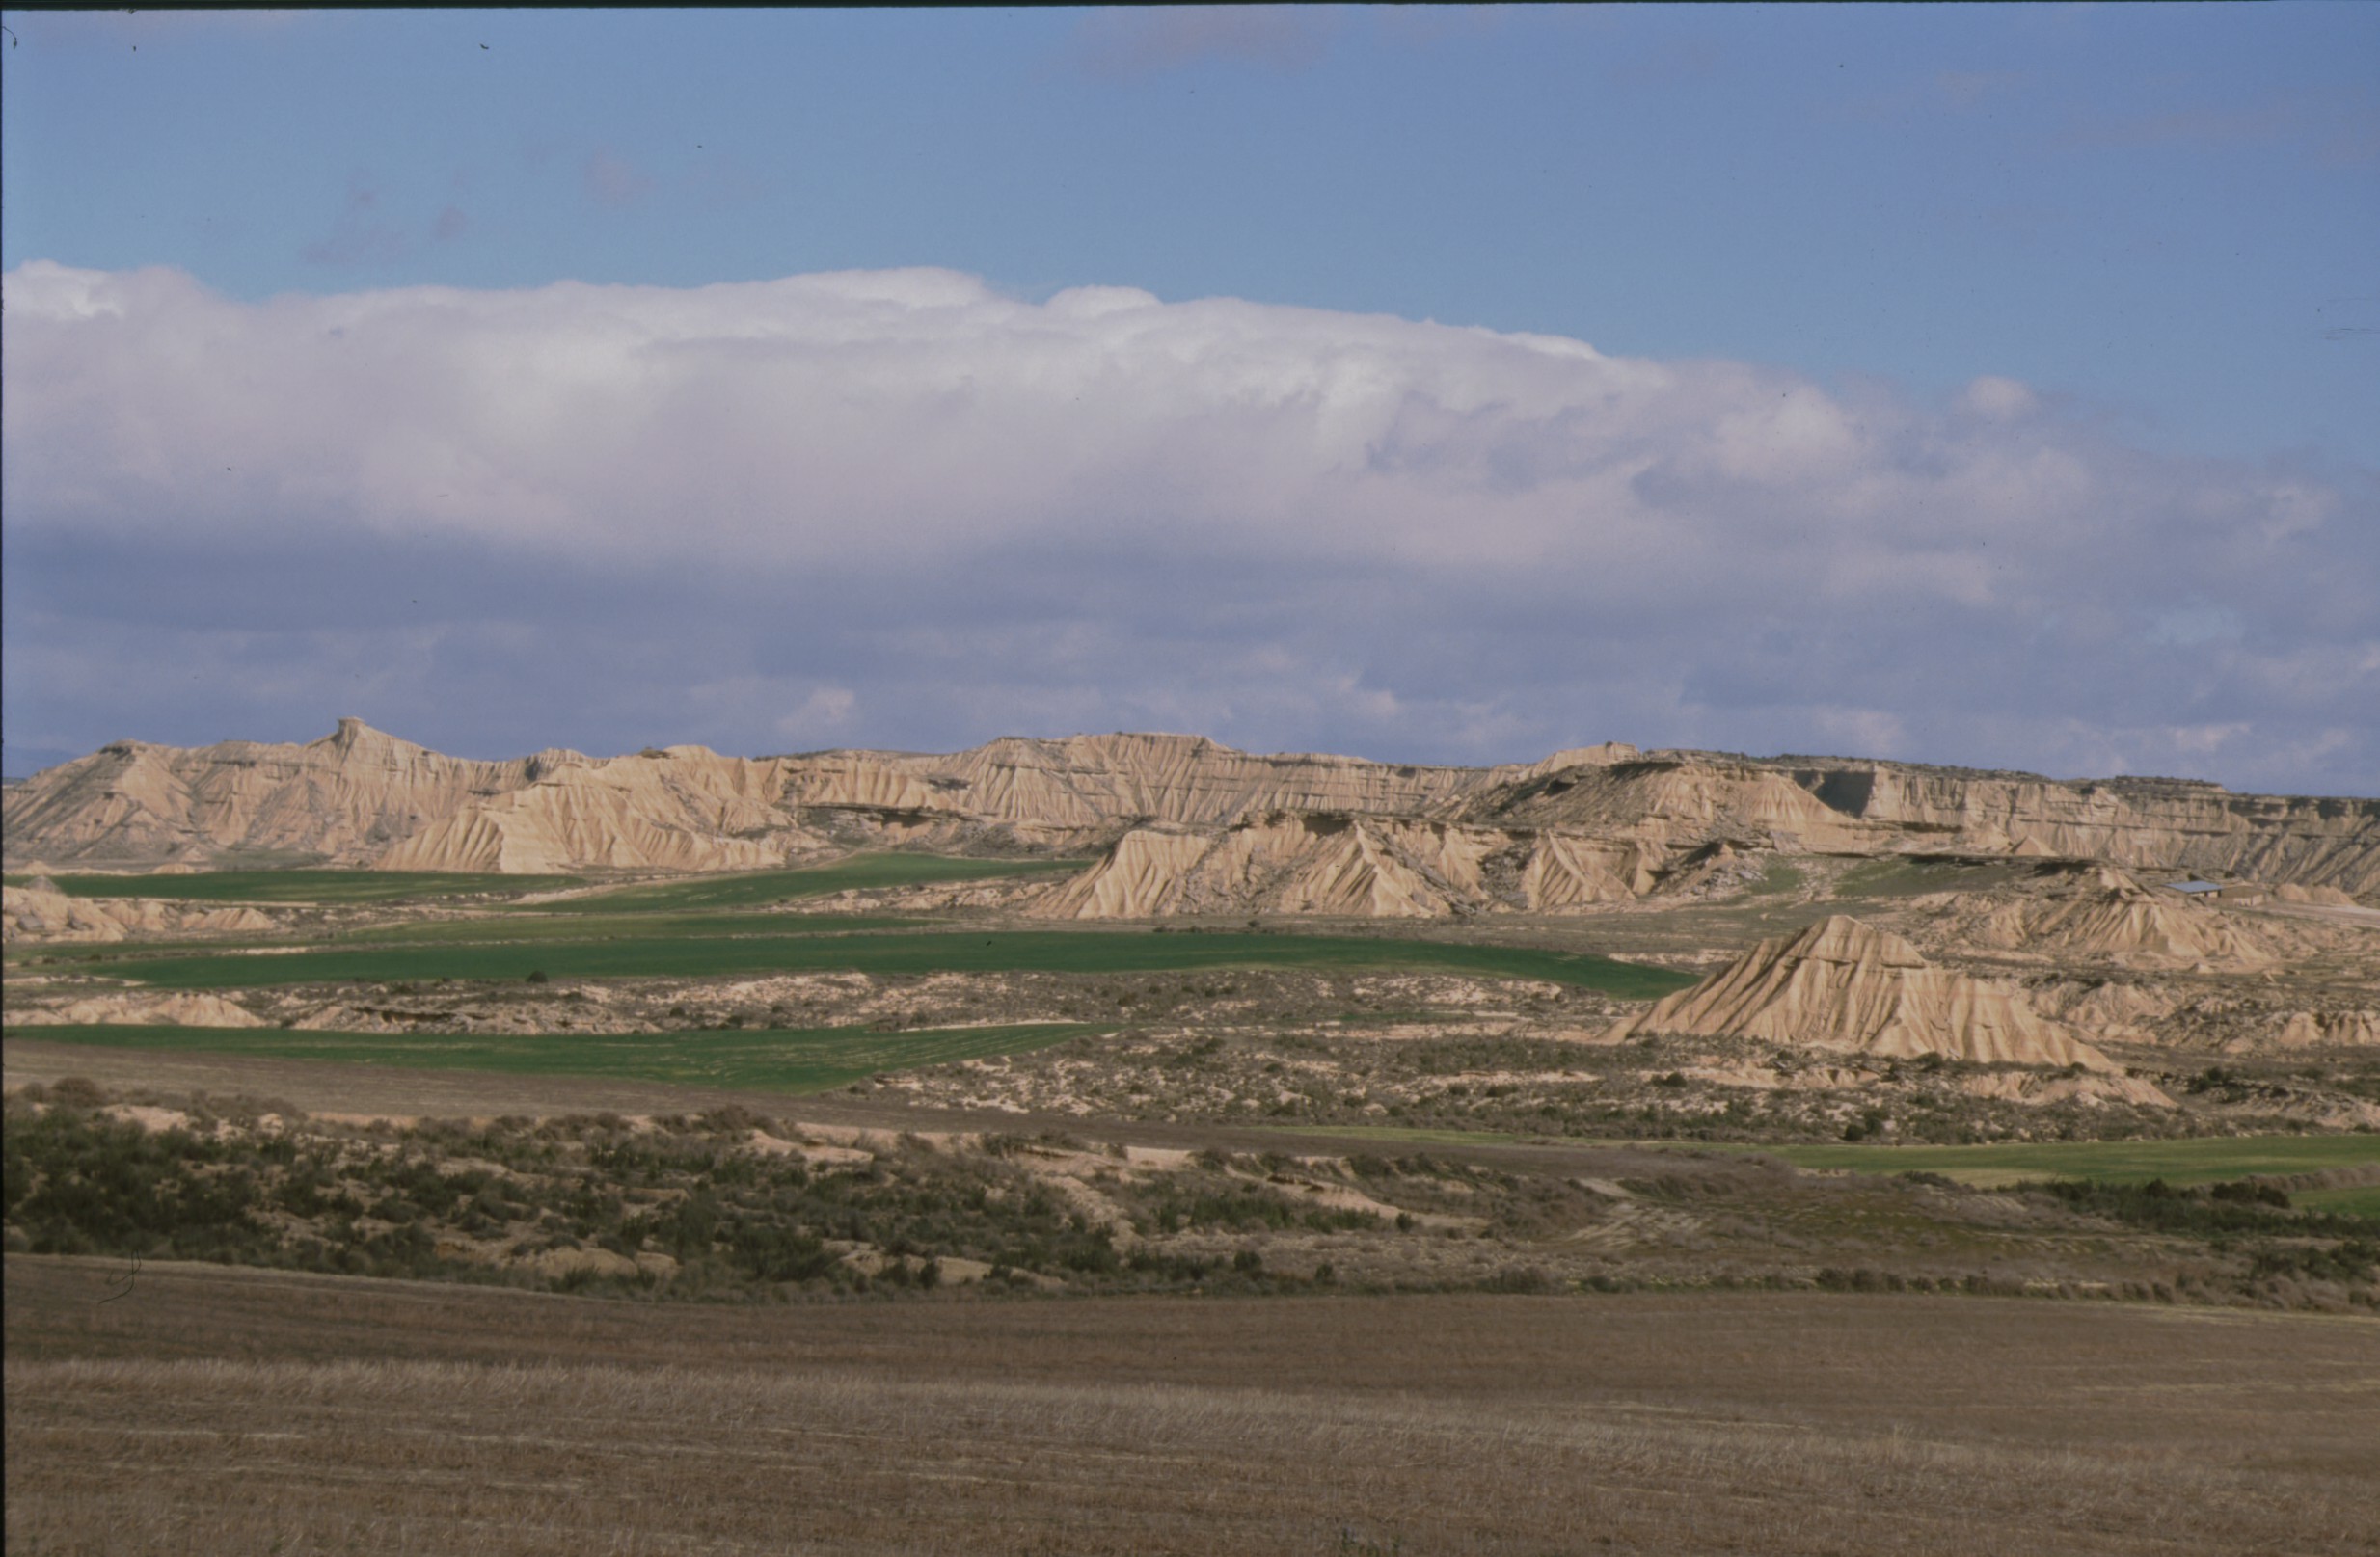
899	507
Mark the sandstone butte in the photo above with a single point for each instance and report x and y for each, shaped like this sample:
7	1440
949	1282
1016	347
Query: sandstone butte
1179	823
1850	987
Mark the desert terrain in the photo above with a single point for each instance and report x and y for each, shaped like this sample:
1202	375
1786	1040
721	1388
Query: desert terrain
1173	1148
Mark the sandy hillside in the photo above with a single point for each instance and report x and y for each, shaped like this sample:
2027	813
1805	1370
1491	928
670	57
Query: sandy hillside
1848	986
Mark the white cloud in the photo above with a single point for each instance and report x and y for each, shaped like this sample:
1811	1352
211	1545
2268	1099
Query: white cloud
1302	525
1997	399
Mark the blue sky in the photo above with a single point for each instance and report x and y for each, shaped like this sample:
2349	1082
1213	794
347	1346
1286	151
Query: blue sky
2099	285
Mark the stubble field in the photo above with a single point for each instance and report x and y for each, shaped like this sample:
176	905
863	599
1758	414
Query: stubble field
211	1410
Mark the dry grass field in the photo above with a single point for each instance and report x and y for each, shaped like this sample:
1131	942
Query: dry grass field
213	1409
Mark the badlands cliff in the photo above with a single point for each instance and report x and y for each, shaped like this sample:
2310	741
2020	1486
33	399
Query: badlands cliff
2109	914
1179	823
1849	987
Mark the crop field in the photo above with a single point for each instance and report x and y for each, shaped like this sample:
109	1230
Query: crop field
522	927
754	889
205	1409
784	1060
306	886
2344	1202
749	889
770	944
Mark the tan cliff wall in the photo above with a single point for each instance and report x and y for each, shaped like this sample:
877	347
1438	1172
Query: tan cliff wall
360	796
343	798
2148	824
1089	782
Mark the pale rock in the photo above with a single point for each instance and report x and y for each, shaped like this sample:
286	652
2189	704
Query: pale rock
186	1010
1847	986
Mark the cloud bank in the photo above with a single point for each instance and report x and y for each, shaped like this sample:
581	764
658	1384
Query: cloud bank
899	508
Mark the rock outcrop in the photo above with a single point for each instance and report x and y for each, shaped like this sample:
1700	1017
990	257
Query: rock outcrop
1848	987
343	798
1086	783
682	809
188	1009
2165	824
2305	1029
1305	863
1620	821
2109	914
35	912
1678	802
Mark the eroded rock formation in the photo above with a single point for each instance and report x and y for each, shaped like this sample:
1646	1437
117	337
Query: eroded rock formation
1304	833
1850	987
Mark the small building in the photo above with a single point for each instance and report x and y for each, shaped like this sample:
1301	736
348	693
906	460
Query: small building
2237	892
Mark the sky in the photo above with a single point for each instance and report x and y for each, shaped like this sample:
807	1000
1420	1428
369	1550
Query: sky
1994	386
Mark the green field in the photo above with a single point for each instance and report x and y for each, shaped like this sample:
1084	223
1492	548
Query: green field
517	929
744	889
1894	876
2357	1202
303	886
776	1059
776	944
752	889
2197	1160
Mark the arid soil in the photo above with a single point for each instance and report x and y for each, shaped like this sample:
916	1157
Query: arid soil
200	1410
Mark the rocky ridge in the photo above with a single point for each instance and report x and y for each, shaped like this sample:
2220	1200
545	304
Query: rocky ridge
1182	823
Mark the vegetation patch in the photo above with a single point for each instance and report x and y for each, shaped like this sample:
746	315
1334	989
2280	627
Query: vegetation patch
306	886
522	925
1901	877
753	889
775	1059
2190	1161
769	947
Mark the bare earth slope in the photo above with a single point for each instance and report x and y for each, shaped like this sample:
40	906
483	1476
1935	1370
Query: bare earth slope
1298	833
345	797
1848	986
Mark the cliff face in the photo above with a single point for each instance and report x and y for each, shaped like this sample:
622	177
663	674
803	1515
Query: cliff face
1090	782
343	798
1678	801
683	809
1849	987
1333	864
1297	833
2150	825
